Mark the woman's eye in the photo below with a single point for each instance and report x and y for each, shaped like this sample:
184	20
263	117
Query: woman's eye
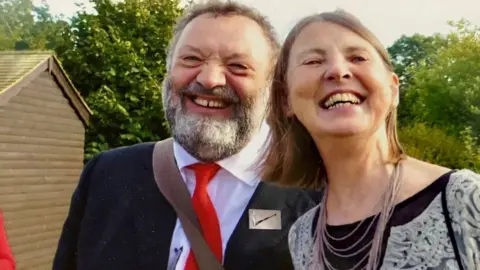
313	62
358	59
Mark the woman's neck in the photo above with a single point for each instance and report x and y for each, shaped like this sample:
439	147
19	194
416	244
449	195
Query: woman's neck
358	174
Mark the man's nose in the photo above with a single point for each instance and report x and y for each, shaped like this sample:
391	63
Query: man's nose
212	75
338	70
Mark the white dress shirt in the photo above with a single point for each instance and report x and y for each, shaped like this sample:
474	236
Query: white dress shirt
230	191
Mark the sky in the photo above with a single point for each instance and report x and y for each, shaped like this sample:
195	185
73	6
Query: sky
388	19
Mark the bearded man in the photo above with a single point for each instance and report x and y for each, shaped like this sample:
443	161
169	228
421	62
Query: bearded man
218	70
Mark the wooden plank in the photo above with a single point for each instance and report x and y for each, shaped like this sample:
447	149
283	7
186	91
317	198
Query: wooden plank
37	172
18	131
42	87
39	204
28	92
38	212
28	221
43	244
39	157
19	240
42	263
40	103
30	189
32	254
67	113
29	124
29	148
46	79
67	123
35	229
17	139
21	197
38	180
21	164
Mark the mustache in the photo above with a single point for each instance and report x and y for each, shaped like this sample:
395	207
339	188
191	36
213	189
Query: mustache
225	93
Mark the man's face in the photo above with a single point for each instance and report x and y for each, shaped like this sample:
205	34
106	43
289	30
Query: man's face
215	93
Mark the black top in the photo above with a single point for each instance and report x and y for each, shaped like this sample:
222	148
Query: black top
404	213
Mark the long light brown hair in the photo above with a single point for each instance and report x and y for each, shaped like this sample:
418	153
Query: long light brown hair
291	157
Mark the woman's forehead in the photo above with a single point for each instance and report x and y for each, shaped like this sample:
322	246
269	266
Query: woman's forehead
321	36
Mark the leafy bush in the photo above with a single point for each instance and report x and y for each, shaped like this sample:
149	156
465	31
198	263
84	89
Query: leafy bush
433	145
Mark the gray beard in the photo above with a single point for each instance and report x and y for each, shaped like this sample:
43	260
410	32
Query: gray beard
209	139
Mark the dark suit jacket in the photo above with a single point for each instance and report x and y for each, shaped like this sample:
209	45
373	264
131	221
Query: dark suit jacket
119	220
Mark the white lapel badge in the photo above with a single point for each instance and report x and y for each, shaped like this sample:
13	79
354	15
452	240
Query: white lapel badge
261	219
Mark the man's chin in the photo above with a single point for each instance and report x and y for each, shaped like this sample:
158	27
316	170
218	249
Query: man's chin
206	149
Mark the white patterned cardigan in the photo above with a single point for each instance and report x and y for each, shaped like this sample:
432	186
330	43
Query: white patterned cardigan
423	243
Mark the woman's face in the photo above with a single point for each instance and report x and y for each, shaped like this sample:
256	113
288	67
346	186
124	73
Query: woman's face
338	84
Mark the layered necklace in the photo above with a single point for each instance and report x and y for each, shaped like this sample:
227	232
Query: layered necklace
324	240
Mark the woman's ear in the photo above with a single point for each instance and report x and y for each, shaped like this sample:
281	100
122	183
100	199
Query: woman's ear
286	105
395	85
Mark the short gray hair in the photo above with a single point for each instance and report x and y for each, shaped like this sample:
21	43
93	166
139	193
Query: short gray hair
217	8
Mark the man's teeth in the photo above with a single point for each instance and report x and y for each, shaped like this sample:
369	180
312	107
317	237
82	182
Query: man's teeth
209	103
341	100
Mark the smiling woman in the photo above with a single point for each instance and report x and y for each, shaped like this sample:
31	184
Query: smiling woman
333	125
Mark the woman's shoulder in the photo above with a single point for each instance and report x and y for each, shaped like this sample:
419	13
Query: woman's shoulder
464	181
300	238
305	220
462	198
463	203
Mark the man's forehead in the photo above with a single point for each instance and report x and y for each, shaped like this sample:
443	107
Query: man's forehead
232	34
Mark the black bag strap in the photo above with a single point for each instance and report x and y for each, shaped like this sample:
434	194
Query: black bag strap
172	186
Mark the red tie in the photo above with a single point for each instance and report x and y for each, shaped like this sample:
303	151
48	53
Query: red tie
205	211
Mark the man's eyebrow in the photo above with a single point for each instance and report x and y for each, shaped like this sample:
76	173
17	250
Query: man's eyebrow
238	56
191	48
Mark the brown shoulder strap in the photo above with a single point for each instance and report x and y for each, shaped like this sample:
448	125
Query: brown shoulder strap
171	184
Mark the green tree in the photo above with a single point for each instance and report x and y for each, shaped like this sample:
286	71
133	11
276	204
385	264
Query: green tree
26	26
446	92
408	52
432	144
116	58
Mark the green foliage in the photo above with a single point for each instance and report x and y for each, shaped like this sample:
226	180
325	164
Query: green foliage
25	26
407	53
446	93
116	58
441	87
432	144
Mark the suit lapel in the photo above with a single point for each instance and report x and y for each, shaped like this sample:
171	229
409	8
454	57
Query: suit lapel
249	243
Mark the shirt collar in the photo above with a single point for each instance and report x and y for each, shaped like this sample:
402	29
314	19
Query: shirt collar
240	165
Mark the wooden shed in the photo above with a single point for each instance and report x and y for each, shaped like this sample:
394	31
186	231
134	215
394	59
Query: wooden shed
42	132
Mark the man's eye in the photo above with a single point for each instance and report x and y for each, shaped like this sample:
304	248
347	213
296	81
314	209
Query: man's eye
191	58
238	66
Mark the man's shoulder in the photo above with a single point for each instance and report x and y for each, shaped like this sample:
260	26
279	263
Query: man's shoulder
299	198
129	151
121	159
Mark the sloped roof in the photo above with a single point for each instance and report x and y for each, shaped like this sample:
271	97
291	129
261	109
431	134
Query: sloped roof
18	68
